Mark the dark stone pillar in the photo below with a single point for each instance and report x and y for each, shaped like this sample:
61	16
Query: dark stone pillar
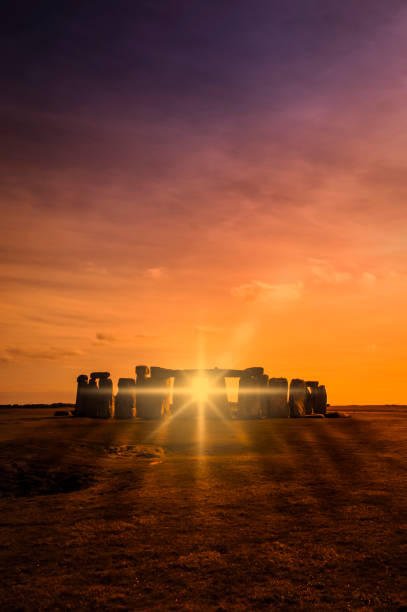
311	405
148	394
105	396
161	383
249	406
81	396
217	406
264	396
297	398
322	399
124	401
92	398
142	374
277	404
183	404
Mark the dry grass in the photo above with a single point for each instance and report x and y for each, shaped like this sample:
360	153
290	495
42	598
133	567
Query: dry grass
284	514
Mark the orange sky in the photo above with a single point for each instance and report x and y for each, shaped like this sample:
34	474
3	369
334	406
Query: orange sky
270	233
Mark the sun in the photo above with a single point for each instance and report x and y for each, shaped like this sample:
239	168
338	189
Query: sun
200	389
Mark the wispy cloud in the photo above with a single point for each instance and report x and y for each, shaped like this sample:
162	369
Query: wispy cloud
52	353
95	269
368	279
324	272
155	273
105	338
260	291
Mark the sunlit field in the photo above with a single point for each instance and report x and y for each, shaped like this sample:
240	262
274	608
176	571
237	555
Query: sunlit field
204	514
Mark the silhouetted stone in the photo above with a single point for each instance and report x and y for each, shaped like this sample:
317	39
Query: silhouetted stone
297	398
321	400
81	396
100	374
257	397
161	381
256	371
124	401
217	405
264	396
105	397
148	405
183	404
308	404
142	371
277	399
91	402
62	413
148	400
249	406
312	399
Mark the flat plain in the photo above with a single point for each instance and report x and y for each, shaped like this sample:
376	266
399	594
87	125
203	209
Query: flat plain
296	514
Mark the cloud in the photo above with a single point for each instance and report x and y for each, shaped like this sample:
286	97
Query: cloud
50	354
93	268
259	291
371	347
155	273
102	337
324	272
368	279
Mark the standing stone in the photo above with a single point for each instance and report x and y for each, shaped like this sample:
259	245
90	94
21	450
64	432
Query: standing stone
142	373
297	398
277	404
81	396
161	382
105	397
245	382
183	401
254	405
124	401
92	398
312	397
321	400
249	406
309	401
148	401
264	395
217	406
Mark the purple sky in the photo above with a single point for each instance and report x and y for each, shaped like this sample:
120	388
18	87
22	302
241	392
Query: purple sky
173	171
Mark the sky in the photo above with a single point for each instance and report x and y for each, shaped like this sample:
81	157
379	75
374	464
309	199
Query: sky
204	182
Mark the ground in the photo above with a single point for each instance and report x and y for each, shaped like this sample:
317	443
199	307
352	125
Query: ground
305	514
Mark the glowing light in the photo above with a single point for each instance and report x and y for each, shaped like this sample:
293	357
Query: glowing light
200	389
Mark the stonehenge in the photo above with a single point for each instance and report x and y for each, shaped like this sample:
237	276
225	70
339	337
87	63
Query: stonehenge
158	392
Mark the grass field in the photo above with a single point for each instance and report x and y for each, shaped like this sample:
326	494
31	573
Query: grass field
194	515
